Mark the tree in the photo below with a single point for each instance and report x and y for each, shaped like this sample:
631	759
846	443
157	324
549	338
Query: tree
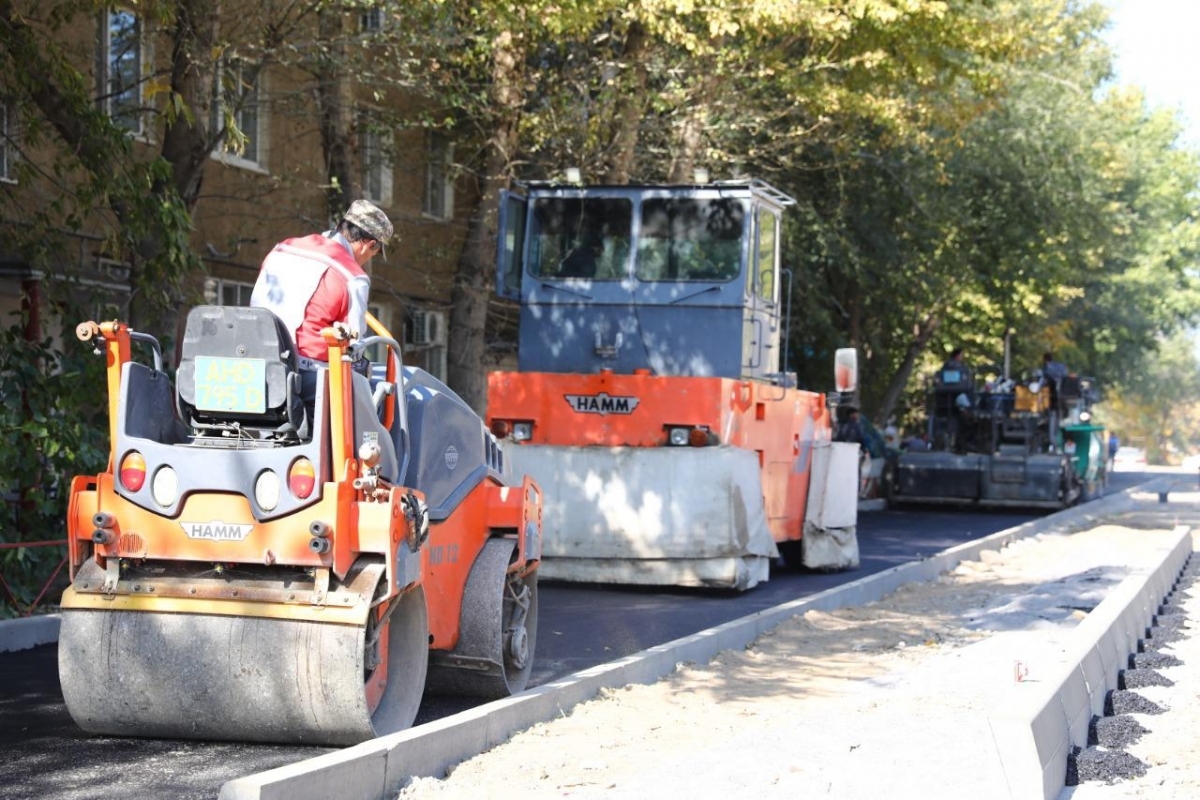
1160	408
649	92
1015	220
139	198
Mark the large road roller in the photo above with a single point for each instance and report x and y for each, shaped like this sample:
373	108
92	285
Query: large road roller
650	397
249	569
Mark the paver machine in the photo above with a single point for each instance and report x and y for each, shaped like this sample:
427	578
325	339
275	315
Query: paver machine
247	570
1028	445
649	400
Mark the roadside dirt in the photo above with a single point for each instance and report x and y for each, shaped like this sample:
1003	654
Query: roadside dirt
885	700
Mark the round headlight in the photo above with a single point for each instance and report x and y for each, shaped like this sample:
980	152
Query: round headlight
165	487
266	490
679	436
522	431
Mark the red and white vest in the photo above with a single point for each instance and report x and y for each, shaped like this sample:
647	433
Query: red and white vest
311	282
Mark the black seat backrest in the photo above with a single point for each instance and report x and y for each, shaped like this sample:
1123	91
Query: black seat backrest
948	384
238	365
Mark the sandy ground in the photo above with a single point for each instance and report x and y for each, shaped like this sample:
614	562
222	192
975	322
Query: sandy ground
885	700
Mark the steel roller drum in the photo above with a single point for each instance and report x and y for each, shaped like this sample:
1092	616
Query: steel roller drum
495	650
204	676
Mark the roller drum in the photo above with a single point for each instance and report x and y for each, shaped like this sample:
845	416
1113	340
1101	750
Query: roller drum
498	634
200	676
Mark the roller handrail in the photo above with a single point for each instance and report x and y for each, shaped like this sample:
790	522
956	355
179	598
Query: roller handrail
384	336
87	331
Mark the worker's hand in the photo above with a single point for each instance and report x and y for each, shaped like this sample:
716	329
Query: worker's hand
344	332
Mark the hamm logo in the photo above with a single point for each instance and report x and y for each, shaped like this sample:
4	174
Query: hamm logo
601	403
217	531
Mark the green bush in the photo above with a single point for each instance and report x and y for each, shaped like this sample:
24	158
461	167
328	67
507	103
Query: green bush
53	426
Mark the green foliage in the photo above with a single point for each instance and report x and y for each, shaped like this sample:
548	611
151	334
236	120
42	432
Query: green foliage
1158	406
1059	213
53	426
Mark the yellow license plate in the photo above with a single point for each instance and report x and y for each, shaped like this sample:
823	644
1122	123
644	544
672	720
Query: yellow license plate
231	385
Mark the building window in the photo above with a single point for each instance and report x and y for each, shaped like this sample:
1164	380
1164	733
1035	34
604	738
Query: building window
8	143
121	58
370	20
234	293
377	353
375	148
239	111
439	185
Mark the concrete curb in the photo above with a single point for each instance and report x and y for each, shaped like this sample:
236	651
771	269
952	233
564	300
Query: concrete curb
1040	722
376	769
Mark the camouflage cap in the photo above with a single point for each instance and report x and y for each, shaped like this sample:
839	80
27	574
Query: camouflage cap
371	219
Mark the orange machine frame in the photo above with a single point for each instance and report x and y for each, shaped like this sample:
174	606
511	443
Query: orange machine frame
780	424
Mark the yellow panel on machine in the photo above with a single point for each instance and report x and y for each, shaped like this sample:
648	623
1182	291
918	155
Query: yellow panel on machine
1032	402
265	572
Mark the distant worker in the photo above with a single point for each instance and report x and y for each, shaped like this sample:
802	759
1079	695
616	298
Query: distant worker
917	442
581	261
851	428
1114	444
1053	373
1053	370
891	437
955	361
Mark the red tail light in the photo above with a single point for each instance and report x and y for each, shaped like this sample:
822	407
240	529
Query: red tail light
133	471
302	478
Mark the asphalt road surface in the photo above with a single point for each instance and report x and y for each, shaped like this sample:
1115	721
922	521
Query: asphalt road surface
46	756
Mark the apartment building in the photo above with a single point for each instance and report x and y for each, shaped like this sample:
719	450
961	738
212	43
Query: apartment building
269	187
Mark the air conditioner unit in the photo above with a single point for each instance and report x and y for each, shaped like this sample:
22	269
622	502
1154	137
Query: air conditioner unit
428	328
111	268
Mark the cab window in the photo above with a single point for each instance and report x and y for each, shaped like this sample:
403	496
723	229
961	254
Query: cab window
690	239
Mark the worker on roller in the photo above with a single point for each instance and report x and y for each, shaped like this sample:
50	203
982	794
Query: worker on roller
1052	369
313	282
955	361
1053	373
